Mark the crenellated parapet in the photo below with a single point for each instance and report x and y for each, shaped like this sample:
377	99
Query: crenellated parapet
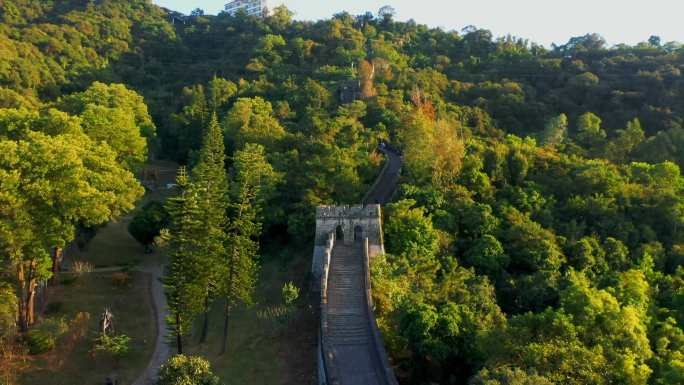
350	221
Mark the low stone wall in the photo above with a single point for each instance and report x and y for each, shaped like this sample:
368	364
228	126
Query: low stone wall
326	370
378	346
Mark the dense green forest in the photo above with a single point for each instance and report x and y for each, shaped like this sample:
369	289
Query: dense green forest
537	236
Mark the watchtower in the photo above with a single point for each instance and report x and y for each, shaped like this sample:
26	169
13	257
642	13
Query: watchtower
349	224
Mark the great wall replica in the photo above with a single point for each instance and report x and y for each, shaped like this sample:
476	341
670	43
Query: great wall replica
350	349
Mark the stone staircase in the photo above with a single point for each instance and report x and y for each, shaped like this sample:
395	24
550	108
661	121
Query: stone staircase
347	319
349	331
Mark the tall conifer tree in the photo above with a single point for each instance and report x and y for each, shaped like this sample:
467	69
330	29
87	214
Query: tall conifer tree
184	292
210	180
253	178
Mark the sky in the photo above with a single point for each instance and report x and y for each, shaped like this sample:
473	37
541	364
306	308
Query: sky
540	21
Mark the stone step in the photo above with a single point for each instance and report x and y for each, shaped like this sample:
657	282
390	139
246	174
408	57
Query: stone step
348	340
347	317
336	301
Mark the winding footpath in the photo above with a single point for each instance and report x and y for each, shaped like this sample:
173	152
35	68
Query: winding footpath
162	351
381	192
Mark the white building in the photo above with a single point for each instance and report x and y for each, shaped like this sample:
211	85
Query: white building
252	7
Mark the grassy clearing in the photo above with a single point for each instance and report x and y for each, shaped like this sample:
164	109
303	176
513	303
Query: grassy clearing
264	349
113	245
71	362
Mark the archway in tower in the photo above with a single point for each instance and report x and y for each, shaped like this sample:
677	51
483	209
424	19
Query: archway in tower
358	233
339	234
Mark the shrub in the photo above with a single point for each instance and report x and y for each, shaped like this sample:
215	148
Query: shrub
182	370
148	223
82	267
43	337
115	346
290	293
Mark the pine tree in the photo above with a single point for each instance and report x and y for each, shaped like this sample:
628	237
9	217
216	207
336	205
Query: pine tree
253	179
184	292
209	177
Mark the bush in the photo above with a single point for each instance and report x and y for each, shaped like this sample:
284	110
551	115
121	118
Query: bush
182	370
43	337
290	293
115	346
148	223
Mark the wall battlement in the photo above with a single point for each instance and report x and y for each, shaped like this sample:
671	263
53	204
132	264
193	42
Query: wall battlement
348	211
350	223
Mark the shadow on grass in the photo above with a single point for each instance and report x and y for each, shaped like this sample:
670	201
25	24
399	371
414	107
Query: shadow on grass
265	346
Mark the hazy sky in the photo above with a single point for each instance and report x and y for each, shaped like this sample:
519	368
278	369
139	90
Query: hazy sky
542	21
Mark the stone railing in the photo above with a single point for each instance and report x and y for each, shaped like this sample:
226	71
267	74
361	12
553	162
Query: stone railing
327	254
378	346
327	371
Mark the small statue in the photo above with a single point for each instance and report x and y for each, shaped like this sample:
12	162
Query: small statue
107	322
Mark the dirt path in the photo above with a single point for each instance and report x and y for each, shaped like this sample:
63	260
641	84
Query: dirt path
162	351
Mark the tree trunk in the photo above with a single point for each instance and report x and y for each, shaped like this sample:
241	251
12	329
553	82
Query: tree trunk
224	344
21	283
31	304
27	295
205	326
179	334
57	255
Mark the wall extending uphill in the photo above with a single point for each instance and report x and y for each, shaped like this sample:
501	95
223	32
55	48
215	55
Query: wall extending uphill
351	351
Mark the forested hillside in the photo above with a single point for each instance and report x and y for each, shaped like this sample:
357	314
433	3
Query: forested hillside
538	234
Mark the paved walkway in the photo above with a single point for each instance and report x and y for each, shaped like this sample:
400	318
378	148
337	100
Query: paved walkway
384	187
349	331
162	351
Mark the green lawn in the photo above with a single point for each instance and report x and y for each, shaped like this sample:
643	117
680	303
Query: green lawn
113	245
262	349
71	362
